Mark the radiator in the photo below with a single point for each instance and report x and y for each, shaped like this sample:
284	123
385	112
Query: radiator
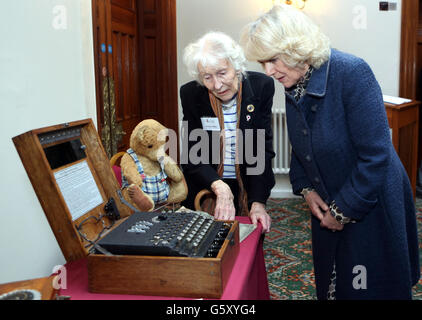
281	162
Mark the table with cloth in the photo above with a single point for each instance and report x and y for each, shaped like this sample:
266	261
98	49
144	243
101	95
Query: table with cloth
248	279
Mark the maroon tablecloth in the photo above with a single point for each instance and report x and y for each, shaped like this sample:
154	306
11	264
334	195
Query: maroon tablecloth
248	280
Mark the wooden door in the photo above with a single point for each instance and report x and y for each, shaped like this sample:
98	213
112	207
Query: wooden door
136	73
411	49
411	62
158	53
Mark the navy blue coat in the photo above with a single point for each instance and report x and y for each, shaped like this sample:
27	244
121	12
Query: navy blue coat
341	146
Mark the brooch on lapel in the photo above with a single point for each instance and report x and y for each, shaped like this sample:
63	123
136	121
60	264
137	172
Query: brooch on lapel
250	108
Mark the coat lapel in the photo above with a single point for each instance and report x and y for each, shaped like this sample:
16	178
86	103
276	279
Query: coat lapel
204	104
249	103
317	85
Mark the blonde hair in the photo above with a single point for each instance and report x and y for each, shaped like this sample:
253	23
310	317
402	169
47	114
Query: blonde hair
287	33
209	50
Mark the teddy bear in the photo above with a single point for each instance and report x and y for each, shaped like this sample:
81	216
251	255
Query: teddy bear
149	176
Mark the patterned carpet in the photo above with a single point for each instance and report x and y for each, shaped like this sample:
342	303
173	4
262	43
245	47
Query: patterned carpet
288	254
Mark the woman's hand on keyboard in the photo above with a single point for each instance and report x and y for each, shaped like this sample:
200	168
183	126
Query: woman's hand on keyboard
224	209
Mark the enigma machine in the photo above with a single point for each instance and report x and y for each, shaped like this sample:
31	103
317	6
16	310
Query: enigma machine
186	234
169	253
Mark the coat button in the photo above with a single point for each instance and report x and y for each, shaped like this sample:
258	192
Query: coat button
308	158
305	132
316	179
314	108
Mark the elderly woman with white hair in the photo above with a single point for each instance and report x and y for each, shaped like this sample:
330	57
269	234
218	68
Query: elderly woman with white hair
364	234
227	124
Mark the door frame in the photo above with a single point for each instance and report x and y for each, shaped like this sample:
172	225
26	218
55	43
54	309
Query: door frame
409	49
409	65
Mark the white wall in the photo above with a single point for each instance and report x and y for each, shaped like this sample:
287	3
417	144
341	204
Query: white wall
46	78
358	27
354	26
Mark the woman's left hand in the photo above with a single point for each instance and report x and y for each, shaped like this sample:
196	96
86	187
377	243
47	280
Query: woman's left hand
259	214
329	222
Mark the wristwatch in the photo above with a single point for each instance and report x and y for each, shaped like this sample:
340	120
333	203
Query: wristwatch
306	191
338	215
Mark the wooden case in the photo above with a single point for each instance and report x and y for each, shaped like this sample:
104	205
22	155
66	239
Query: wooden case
73	179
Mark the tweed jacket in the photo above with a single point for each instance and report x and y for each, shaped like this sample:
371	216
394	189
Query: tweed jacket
257	91
341	146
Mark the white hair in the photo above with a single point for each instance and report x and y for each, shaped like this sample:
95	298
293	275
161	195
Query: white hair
287	33
209	50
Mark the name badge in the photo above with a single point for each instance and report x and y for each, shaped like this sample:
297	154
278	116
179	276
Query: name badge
210	124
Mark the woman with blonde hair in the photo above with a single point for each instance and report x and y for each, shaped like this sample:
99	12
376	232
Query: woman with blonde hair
364	234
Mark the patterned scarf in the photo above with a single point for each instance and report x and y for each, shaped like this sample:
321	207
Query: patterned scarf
218	111
298	90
